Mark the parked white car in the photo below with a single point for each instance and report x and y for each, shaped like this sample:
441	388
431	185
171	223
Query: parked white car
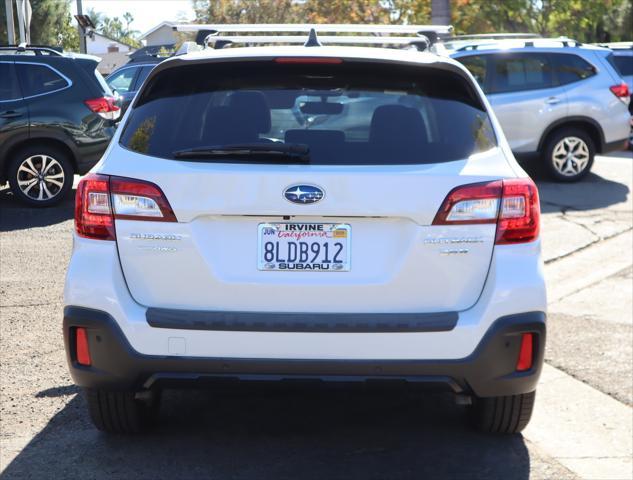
329	213
559	102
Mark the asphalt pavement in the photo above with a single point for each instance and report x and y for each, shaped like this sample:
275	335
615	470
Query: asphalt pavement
580	428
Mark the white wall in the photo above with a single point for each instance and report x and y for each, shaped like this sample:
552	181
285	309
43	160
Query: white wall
163	35
99	45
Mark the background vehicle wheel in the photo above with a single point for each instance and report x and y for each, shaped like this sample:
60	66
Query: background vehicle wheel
121	412
568	154
40	175
509	414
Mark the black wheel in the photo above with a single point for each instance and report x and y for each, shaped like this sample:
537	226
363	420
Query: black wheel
568	154
40	175
121	412
509	414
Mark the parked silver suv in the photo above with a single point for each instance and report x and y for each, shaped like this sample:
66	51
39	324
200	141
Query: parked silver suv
556	99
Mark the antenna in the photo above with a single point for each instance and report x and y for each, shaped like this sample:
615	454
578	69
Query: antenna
312	40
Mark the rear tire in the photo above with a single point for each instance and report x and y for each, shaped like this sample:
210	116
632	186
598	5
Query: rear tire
568	154
40	175
509	414
121	412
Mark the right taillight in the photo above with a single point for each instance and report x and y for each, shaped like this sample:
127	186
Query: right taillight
621	91
512	204
105	107
101	199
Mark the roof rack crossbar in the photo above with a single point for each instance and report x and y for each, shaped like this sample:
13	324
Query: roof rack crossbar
320	28
296	39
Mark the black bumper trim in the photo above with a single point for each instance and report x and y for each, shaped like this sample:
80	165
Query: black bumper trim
488	371
615	146
301	322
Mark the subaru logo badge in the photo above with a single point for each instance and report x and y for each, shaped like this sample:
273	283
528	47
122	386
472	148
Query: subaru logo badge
303	194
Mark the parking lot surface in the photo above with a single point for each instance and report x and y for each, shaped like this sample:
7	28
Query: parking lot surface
579	430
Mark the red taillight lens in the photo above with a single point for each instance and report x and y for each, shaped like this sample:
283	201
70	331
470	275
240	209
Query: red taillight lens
101	199
93	213
519	215
309	60
621	90
512	204
526	353
105	107
139	200
470	204
81	347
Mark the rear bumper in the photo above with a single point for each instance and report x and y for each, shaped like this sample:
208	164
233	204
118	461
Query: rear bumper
488	371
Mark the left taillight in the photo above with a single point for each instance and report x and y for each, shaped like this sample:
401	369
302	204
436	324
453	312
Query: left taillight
512	204
105	107
93	213
101	199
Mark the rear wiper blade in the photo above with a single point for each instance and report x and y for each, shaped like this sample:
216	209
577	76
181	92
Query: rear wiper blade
290	151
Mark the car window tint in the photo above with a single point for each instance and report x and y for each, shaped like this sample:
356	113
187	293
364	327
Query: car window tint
523	71
345	115
9	88
39	79
571	68
122	81
624	63
476	64
142	75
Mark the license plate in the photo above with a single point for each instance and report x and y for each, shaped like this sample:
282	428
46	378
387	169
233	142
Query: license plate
312	247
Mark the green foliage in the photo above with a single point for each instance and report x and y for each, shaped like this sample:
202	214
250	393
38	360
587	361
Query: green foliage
585	20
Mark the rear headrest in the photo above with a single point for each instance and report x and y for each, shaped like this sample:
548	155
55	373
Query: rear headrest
314	137
397	123
251	110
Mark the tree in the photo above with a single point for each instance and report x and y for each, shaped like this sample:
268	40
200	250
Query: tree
114	27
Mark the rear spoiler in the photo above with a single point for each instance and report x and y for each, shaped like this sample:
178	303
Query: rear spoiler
219	36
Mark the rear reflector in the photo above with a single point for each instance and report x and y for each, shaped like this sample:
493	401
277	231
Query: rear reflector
526	353
512	204
309	60
82	349
101	199
105	107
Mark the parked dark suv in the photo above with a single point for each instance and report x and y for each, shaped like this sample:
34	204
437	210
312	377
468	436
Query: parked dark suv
127	80
57	116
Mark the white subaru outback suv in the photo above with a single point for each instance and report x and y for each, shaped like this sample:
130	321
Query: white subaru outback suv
328	213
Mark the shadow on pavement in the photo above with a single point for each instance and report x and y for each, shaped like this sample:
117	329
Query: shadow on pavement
297	434
15	215
591	193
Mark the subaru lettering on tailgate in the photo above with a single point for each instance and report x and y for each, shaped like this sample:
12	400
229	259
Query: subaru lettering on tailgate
303	194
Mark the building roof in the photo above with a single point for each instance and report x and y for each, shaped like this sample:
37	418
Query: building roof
111	61
94	32
152	30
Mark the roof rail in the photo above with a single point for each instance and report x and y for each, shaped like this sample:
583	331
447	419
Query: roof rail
565	42
420	36
37	49
494	36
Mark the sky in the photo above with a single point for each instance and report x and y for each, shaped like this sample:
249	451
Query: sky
147	13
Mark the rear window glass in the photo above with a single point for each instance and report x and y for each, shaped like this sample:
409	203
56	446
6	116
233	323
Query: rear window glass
39	79
571	68
624	63
345	114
